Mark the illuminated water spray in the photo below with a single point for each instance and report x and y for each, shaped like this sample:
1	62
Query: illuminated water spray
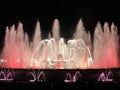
106	46
55	53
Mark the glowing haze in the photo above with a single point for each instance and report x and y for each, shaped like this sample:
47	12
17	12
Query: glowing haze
55	53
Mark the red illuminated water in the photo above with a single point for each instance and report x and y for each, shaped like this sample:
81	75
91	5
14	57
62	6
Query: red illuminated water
55	53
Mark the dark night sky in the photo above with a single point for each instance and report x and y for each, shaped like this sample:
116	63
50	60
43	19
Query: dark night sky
67	11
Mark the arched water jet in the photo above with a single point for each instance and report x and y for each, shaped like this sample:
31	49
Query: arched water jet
106	76
2	75
34	76
31	76
41	77
7	75
77	77
68	78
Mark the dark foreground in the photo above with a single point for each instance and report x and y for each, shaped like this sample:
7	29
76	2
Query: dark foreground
54	79
59	85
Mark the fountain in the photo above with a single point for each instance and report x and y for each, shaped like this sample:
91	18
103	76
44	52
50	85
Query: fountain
54	53
41	77
38	76
6	75
77	77
106	46
106	76
68	78
32	76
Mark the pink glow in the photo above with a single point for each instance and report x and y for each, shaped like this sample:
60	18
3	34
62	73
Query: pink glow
54	53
